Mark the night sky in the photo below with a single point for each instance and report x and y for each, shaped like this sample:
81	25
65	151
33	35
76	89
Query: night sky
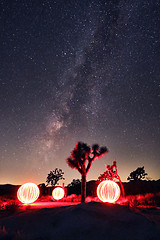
73	70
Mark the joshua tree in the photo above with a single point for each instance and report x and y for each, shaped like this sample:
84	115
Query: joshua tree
81	158
54	176
138	174
110	174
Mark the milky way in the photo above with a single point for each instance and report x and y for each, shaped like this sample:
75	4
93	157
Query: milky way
78	71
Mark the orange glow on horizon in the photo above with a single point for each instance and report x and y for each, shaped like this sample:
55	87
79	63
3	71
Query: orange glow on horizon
108	191
28	193
58	193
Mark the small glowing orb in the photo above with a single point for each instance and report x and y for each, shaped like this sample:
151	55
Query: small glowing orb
58	193
108	191
28	193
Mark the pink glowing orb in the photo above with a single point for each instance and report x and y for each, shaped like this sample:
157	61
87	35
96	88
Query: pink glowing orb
58	193
28	193
108	191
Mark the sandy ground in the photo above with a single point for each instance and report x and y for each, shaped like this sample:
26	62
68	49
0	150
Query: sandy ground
153	214
91	220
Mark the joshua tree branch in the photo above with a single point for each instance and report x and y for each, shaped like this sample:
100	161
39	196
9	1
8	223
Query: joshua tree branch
79	170
90	160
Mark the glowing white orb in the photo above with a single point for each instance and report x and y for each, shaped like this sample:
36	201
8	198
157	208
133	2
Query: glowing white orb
108	191
28	193
58	193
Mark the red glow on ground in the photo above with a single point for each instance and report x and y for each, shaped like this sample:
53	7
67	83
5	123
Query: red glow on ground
28	193
41	205
108	191
58	193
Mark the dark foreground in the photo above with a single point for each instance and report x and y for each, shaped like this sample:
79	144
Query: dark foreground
91	221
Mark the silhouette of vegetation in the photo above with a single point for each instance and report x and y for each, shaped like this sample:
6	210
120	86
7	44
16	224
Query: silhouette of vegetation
54	176
74	187
111	174
74	183
148	199
12	206
81	158
43	189
138	174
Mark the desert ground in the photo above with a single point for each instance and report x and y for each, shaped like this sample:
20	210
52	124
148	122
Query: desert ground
91	221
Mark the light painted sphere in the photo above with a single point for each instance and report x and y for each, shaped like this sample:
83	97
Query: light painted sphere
28	193
58	193
108	191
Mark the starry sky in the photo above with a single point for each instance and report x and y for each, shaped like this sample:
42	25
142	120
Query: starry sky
78	71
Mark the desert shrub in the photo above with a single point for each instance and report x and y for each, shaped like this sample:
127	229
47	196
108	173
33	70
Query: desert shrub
90	199
3	202
4	199
152	199
47	198
2	206
148	200
132	201
12	206
72	198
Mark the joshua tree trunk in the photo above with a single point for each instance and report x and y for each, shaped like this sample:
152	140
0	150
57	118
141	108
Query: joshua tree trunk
81	156
122	188
83	185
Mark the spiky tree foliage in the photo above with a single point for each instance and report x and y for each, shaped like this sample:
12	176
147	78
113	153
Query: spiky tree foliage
54	176
111	174
138	174
81	158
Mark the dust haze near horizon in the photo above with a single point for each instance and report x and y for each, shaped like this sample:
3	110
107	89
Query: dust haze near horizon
78	71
